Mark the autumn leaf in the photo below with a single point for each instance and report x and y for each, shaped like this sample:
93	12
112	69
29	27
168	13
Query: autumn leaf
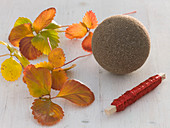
46	112
90	20
40	41
59	77
86	44
77	93
56	57
52	26
22	20
76	31
11	69
44	19
19	32
27	49
44	65
38	80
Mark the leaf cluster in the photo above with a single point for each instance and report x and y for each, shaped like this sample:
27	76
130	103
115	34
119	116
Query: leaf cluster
40	78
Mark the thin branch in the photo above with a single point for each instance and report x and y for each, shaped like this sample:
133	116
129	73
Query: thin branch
129	13
49	43
64	26
59	31
77	58
4	55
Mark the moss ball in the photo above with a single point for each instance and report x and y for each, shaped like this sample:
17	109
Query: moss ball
121	44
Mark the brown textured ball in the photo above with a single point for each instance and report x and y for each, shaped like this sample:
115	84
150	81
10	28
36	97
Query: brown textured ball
121	44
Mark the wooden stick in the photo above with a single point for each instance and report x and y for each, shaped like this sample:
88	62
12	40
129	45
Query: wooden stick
112	108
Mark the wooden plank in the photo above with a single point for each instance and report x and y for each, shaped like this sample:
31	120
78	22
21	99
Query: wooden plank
151	111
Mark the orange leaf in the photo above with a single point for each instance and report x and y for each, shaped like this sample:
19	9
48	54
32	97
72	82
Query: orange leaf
77	93
59	77
90	20
45	64
76	31
19	32
46	112
86	44
56	57
38	80
44	19
27	49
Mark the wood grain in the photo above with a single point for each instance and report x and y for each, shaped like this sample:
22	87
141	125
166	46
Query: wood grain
151	111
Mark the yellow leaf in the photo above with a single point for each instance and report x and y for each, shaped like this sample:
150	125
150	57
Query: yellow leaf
45	65
38	80
56	57
10	69
44	19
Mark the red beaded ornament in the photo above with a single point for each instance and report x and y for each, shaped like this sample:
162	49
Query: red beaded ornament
133	95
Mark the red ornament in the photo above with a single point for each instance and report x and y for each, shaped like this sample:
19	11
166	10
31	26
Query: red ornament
133	95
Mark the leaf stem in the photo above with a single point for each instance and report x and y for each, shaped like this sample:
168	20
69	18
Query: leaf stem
4	55
60	31
77	58
49	43
129	13
64	26
74	60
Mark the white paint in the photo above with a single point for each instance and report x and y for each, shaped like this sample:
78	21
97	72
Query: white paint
151	111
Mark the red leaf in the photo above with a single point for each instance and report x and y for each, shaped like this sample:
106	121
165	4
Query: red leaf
86	44
77	93
46	112
28	50
76	31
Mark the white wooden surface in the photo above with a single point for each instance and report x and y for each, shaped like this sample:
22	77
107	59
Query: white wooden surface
151	111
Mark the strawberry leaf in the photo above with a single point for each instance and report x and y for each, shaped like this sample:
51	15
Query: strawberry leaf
41	43
38	80
56	57
11	69
22	20
86	44
76	31
19	32
90	20
45	65
77	93
27	49
46	112
52	26
59	77
44	19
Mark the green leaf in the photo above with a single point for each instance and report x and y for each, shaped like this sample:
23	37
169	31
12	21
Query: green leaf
40	41
22	20
52	26
21	58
